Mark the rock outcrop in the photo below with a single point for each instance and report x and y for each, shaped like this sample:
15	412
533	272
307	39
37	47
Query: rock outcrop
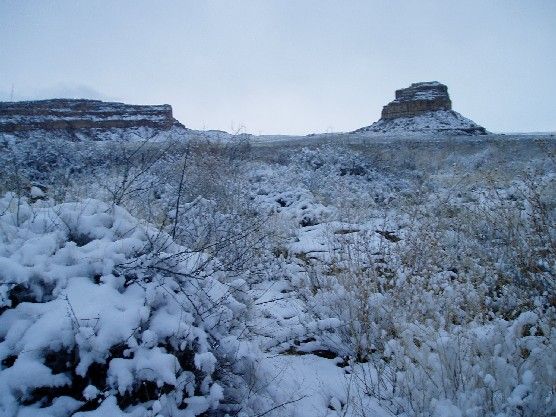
82	116
418	99
423	107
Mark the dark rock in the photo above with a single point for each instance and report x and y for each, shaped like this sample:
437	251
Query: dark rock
388	235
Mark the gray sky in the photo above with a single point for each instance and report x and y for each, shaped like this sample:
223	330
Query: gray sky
283	66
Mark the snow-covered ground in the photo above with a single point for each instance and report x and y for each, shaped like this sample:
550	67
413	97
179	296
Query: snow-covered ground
439	121
328	275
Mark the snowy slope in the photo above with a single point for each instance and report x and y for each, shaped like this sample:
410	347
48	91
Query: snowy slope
434	122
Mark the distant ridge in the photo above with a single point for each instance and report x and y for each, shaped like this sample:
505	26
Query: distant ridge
84	118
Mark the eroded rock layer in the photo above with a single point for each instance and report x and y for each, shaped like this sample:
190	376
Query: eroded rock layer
70	114
417	99
423	107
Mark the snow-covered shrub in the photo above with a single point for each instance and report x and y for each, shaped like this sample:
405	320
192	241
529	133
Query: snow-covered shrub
429	267
428	313
502	368
107	316
53	162
426	344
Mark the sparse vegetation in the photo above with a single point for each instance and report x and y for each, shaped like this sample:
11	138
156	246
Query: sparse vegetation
425	272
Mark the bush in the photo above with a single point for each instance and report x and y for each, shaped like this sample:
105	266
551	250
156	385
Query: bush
100	312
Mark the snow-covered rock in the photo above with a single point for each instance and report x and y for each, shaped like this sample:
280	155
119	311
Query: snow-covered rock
422	108
439	121
92	119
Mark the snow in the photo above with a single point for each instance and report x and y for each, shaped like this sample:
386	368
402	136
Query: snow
82	303
439	121
109	407
36	192
205	362
90	392
312	386
445	408
322	276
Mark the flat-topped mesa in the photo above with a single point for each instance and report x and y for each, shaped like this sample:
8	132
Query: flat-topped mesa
418	99
80	114
422	108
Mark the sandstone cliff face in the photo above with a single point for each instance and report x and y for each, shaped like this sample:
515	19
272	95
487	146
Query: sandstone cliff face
423	107
71	115
417	99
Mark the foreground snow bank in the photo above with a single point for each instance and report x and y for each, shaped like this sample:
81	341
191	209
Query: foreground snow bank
102	315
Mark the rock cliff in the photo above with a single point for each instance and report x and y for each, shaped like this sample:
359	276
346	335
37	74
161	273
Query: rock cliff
423	107
417	99
82	116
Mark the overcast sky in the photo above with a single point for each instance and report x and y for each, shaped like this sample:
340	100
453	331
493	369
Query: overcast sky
283	66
